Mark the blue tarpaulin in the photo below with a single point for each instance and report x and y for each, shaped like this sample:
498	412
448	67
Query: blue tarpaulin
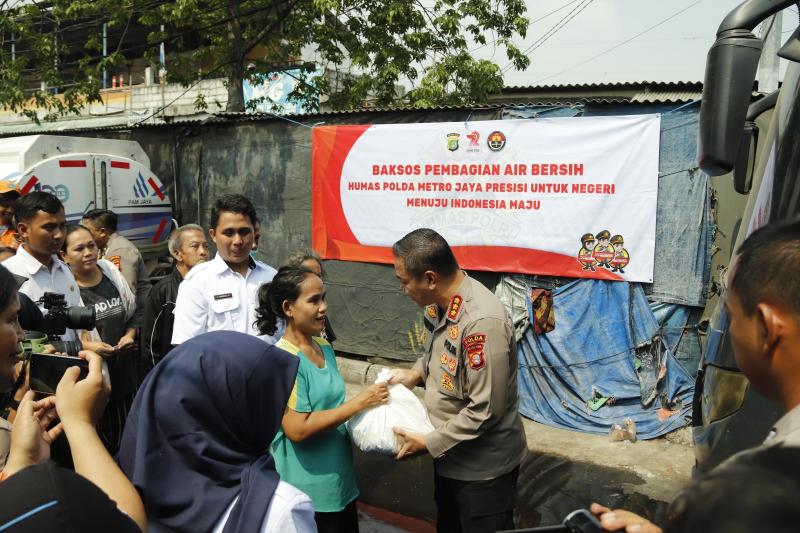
607	344
612	355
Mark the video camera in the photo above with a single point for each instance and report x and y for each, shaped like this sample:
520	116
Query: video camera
48	328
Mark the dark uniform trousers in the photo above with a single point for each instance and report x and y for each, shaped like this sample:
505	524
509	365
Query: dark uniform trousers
482	506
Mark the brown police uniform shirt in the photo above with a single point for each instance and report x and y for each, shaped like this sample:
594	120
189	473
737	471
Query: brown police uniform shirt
128	259
470	375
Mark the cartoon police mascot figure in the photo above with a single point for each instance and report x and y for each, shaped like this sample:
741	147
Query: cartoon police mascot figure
585	256
603	253
621	256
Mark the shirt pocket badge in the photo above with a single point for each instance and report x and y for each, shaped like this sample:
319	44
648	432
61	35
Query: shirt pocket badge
221	308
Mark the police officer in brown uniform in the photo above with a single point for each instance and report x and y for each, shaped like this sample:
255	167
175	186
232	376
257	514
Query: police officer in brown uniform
469	371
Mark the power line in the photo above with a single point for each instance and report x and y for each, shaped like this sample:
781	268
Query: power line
626	41
553	30
531	23
556	10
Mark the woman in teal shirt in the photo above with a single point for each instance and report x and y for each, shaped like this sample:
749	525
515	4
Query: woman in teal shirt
312	451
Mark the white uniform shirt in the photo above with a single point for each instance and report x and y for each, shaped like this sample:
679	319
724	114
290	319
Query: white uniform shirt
213	297
289	511
41	280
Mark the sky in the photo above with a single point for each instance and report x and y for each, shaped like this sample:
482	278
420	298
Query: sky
673	51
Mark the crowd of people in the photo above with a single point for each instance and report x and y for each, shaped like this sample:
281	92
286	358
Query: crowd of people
213	401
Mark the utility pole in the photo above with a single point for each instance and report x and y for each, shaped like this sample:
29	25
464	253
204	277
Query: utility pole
105	53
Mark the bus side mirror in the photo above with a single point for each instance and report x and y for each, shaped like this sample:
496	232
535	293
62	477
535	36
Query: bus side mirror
730	71
745	159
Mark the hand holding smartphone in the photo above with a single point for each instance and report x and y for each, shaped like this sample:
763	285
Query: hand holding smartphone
46	370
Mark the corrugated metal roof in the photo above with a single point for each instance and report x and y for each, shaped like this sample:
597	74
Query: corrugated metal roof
536	95
620	92
391	109
698	85
117	122
666	97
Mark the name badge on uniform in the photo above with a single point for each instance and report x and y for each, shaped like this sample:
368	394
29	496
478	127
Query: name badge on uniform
223	296
449	346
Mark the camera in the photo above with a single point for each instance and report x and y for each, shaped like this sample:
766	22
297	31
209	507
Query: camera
59	317
48	328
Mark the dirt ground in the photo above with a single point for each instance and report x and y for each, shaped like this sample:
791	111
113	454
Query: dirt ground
564	471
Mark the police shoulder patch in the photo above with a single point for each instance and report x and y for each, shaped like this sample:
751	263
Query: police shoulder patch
117	260
476	360
473	344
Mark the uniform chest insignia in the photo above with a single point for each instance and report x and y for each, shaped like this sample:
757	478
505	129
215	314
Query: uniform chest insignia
455	307
448	363
450	347
431	311
447	383
473	345
453	332
117	260
223	296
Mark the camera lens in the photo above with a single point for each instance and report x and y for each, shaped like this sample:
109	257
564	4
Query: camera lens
80	317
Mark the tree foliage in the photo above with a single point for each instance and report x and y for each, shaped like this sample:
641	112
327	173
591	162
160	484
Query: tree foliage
365	48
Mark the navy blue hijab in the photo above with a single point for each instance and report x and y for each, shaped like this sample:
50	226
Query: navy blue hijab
199	430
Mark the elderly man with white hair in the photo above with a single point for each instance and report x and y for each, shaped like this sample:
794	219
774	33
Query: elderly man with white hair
189	247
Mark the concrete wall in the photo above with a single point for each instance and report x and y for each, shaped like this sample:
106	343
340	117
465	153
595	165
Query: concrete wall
269	161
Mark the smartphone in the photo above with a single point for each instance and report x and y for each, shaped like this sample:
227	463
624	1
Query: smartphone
48	369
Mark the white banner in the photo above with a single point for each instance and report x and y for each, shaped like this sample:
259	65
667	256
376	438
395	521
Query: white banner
561	196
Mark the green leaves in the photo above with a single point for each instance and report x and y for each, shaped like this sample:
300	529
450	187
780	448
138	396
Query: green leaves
367	48
460	80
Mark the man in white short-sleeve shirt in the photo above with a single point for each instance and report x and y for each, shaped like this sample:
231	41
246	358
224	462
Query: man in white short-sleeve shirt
41	225
222	294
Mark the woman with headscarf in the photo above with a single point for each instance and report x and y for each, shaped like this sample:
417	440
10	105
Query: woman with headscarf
197	436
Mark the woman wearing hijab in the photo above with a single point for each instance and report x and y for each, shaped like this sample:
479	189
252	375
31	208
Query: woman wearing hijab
196	439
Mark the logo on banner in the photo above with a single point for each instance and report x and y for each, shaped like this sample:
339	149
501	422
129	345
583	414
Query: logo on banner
603	250
474	138
496	141
452	141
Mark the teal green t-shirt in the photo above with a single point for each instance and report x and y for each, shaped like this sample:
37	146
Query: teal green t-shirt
322	465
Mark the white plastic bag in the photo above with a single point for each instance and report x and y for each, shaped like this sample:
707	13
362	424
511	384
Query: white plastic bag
371	429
